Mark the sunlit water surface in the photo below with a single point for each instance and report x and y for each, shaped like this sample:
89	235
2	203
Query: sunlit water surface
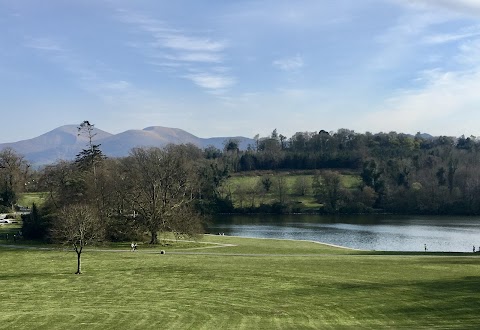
366	232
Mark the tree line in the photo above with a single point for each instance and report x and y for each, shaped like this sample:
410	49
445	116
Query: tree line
399	173
172	188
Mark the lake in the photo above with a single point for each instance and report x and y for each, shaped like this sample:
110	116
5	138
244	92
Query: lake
366	232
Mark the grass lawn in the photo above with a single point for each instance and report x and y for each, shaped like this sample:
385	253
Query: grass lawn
256	284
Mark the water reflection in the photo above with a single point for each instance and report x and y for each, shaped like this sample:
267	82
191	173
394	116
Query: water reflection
368	232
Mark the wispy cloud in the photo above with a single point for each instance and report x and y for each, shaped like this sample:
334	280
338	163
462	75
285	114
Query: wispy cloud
181	52
469	53
120	85
421	34
399	45
465	33
294	63
194	57
442	97
44	44
87	75
211	81
182	42
432	107
464	7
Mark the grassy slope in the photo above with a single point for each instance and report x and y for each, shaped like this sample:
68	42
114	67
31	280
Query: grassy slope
247	180
336	288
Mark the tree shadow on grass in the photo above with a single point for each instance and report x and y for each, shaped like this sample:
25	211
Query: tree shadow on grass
445	301
462	286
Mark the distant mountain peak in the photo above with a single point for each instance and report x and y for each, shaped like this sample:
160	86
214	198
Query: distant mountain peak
64	142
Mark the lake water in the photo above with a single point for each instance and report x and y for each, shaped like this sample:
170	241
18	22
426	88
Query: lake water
366	232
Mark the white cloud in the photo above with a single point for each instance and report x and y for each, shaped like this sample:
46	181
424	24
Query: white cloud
289	64
446	95
167	64
466	33
211	81
182	42
195	57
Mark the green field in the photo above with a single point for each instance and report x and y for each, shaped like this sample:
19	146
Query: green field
237	283
245	188
27	199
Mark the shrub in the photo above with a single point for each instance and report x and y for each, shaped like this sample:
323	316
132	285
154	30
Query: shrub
36	225
5	209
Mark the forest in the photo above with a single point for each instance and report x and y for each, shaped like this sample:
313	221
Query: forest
397	173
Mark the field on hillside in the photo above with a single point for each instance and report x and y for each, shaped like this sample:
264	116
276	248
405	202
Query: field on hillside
237	283
247	189
27	199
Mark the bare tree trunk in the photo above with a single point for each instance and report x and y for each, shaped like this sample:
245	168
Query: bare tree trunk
154	239
79	253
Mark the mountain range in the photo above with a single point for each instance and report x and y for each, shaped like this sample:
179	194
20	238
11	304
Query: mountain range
64	143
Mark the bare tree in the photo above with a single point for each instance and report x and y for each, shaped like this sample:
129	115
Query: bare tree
301	185
188	223
64	184
240	194
78	225
13	176
280	187
331	191
163	186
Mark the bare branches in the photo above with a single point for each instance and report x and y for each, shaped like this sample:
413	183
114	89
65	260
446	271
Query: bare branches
13	176
78	225
162	186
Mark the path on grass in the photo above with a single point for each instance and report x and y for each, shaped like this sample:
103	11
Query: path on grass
157	250
259	255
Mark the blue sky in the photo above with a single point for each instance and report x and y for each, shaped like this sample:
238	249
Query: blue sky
225	67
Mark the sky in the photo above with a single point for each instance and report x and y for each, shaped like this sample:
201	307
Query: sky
240	67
